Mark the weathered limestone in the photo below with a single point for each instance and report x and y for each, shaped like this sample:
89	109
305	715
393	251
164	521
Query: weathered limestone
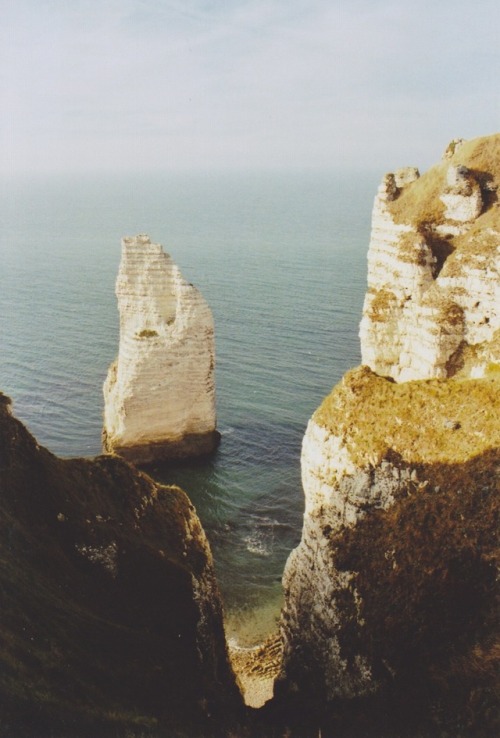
160	392
462	196
371	447
379	454
433	298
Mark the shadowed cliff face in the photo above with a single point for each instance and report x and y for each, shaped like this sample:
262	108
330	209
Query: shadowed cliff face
110	615
374	448
430	623
408	633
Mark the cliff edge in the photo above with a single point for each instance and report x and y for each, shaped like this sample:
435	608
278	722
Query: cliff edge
391	596
159	395
111	616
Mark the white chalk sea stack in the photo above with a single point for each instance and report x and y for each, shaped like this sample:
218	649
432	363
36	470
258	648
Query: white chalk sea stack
159	395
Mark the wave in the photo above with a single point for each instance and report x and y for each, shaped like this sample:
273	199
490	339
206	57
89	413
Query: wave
257	544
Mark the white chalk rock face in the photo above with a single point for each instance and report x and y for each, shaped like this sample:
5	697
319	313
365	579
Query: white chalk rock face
159	395
432	307
431	312
340	488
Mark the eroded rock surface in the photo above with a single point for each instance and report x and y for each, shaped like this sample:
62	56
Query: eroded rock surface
432	308
159	396
392	589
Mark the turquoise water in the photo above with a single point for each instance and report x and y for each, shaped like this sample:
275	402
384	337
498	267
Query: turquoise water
281	260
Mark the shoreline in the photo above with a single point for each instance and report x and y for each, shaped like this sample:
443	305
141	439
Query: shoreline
256	669
251	625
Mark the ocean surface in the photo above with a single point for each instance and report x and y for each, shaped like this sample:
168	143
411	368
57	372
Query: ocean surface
281	259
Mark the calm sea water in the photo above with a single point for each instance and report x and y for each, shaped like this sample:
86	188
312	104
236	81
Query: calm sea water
280	259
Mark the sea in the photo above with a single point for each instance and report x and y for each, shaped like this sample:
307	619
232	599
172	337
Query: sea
281	259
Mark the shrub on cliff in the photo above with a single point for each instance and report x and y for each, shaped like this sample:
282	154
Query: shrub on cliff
427	576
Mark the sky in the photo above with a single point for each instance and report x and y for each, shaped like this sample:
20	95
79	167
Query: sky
167	85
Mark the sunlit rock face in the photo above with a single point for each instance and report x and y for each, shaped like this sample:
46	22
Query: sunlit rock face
432	307
402	478
160	392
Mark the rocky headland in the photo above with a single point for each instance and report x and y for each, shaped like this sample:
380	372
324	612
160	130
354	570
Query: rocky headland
391	596
159	395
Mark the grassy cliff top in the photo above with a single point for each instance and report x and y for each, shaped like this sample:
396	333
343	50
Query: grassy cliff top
431	421
419	202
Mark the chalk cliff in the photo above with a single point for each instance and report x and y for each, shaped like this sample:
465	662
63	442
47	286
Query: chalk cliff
111	616
392	588
432	308
159	395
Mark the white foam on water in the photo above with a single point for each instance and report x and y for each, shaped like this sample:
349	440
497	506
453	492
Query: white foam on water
256	544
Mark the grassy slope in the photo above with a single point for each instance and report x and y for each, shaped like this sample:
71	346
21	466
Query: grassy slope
436	420
426	567
78	644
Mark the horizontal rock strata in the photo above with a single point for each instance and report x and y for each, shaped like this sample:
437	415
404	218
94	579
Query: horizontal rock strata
159	396
392	589
432	307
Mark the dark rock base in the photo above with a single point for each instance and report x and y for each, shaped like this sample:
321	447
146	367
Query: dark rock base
189	446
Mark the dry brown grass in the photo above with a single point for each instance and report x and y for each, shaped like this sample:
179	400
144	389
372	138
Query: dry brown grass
445	421
482	154
419	202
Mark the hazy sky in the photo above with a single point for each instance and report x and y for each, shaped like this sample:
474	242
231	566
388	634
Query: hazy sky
186	84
